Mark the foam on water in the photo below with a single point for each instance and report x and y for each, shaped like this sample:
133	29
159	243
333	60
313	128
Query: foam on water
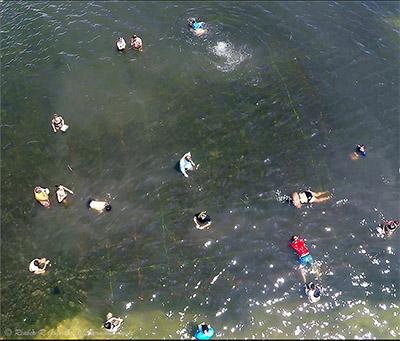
230	56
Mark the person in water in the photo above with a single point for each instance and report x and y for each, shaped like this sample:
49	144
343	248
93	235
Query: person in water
57	123
136	43
309	197
62	194
38	266
204	332
202	220
304	255
42	195
99	206
186	164
121	44
313	292
359	152
196	27
113	323
388	228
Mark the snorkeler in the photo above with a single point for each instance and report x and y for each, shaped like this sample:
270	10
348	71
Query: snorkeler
202	220
57	123
360	151
204	332
38	266
308	197
304	255
186	164
113	323
99	206
388	228
61	194
121	44
313	292
196	27
42	195
136	43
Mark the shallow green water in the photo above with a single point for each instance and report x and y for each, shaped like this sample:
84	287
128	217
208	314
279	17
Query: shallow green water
273	99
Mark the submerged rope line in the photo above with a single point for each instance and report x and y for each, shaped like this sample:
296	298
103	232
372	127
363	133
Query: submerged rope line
109	272
296	115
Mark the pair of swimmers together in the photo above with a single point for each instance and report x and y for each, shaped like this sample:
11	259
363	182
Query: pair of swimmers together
42	194
136	43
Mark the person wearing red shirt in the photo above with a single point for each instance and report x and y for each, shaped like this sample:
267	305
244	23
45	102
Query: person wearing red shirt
305	258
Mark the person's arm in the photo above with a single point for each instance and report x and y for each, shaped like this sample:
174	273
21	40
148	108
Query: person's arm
54	128
68	190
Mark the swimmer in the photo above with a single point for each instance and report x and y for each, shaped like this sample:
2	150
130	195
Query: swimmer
61	194
309	197
388	228
38	266
98	205
313	292
136	43
121	44
204	332
360	151
304	255
113	323
58	123
196	27
186	164
42	195
202	220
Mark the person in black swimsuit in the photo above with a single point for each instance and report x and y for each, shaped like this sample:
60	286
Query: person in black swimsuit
309	197
202	220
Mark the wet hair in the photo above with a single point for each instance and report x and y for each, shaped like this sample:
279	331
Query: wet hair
36	262
294	237
108	208
204	328
134	36
107	325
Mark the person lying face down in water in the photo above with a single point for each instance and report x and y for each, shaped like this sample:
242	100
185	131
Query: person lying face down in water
308	197
99	206
202	220
388	228
38	266
113	323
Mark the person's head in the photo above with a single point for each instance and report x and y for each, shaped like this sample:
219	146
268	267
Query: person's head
107	207
107	325
192	21
204	328
361	149
203	215
296	199
55	115
36	262
134	36
394	225
294	238
188	156
317	292
38	189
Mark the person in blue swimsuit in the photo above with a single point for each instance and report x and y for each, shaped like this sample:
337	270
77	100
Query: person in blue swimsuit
196	27
204	332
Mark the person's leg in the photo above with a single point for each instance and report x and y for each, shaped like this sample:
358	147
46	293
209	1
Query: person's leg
318	194
321	199
303	274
